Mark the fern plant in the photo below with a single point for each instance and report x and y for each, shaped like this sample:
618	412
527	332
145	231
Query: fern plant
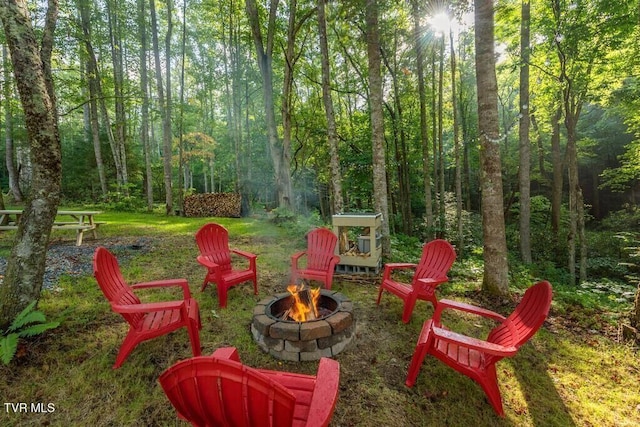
28	323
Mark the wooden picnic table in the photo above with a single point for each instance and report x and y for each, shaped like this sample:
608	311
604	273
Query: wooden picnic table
80	221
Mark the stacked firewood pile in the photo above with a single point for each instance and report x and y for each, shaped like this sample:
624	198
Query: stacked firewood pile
212	204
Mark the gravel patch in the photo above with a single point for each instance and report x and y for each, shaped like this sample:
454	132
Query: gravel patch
74	261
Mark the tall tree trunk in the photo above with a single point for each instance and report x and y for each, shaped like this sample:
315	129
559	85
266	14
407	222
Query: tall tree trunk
525	149
381	203
456	142
167	134
332	133
181	132
434	139
424	133
164	112
144	88
558	172
280	154
442	224
496	278
540	147
32	68
115	38
12	171
95	93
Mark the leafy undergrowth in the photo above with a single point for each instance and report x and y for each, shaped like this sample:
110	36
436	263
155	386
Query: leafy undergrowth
573	372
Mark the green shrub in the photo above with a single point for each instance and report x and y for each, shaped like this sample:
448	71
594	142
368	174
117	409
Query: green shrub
282	215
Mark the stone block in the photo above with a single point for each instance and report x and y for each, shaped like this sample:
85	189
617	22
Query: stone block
285	330
285	355
315	355
340	321
314	330
301	346
262	323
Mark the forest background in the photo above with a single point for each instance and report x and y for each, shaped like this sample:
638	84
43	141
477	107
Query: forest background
157	100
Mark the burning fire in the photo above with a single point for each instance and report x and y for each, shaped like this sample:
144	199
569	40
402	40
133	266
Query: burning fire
305	303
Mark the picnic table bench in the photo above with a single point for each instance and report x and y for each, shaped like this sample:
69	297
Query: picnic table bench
80	221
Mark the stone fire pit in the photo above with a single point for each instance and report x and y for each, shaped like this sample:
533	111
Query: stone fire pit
303	341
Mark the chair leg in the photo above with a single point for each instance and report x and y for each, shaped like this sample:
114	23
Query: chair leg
424	341
204	284
255	285
379	295
194	337
409	304
489	383
130	342
222	295
327	282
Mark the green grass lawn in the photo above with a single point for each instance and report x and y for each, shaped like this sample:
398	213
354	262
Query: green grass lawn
566	375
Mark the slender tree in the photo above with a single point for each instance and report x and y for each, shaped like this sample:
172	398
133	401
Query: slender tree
377	122
144	109
525	148
12	171
32	69
495	280
456	144
279	151
165	110
424	132
95	94
332	133
115	38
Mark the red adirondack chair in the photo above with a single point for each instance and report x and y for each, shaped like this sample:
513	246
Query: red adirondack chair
320	257
213	242
218	390
148	320
477	358
435	262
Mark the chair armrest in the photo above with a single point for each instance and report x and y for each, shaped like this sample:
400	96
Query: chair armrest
325	393
244	254
461	306
147	307
229	353
388	268
433	280
296	257
473	343
165	283
203	260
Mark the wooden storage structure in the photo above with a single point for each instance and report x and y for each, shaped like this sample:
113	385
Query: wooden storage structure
359	242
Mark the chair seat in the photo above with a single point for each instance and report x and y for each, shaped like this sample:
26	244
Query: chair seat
168	320
237	276
397	288
467	357
312	274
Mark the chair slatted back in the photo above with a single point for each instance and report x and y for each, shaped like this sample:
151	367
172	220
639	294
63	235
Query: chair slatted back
436	260
213	242
526	319
208	391
107	273
321	245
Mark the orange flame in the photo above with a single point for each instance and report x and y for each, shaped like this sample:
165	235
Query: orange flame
302	310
